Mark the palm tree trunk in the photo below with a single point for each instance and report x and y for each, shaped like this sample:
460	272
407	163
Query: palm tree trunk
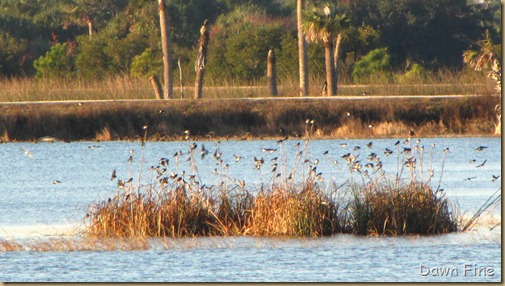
336	60
271	74
166	46
156	86
200	61
330	68
302	51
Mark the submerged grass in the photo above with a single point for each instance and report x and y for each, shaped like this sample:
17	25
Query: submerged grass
295	201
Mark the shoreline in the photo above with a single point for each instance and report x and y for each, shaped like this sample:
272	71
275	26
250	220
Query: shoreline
254	118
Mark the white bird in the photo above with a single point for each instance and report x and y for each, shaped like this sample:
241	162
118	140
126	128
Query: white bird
27	153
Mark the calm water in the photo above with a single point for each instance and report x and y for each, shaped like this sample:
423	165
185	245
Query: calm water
32	206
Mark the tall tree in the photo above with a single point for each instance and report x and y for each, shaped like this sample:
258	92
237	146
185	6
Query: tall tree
166	47
323	25
303	58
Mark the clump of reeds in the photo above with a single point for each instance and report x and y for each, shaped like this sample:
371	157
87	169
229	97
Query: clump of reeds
294	202
412	208
308	211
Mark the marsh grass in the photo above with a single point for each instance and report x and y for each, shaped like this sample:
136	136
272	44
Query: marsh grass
125	87
245	119
409	209
294	200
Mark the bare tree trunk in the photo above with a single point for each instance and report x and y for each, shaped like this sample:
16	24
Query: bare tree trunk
156	86
90	27
271	73
166	46
330	68
203	44
180	77
302	51
336	58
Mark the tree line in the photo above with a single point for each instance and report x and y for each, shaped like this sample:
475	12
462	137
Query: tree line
94	39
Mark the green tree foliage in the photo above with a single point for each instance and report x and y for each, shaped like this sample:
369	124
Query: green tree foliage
239	47
431	33
376	61
58	62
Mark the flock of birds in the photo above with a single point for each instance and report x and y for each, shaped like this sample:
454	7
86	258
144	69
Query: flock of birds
355	163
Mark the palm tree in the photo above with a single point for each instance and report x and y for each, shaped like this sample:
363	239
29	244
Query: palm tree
303	61
488	59
323	26
166	47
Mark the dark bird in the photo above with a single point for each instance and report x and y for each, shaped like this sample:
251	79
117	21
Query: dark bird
369	144
470	178
481	165
397	142
357	148
93	146
282	140
446	149
388	152
406	150
349	157
372	157
480	148
193	146
164	162
269	150
495	178
113	176
325	152
259	161
204	152
217	155
473	161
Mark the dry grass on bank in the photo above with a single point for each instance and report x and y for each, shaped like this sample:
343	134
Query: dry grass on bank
466	82
244	119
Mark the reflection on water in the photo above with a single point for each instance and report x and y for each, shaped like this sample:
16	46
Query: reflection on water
31	206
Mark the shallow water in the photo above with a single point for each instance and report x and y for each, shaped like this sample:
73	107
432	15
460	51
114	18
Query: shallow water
31	206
